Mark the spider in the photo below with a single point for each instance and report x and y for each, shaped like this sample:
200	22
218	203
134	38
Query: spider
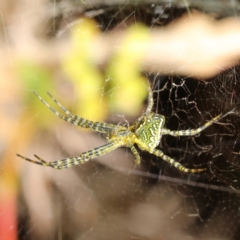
146	133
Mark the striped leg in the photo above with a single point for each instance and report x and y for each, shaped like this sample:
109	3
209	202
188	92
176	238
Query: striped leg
79	121
150	99
149	107
73	161
176	164
137	160
58	103
192	132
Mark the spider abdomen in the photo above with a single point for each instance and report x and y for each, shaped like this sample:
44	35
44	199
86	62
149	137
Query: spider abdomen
149	130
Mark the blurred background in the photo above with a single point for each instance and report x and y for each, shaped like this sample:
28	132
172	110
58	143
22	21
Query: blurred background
95	58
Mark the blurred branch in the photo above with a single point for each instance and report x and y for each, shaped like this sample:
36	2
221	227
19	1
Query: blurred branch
222	7
193	45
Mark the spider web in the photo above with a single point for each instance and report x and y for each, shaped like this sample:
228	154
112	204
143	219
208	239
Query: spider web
117	201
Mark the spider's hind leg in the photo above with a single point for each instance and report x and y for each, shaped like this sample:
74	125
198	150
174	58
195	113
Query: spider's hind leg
192	132
176	164
137	160
150	99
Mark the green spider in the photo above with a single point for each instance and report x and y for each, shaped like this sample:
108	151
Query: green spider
146	133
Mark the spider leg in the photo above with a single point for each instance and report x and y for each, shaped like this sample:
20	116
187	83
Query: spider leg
40	162
166	158
149	107
137	160
79	121
150	99
58	103
72	161
192	132
176	164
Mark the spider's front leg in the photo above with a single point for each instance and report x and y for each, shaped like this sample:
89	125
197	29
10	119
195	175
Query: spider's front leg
76	120
84	157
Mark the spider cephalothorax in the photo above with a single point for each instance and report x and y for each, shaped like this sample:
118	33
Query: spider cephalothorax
146	133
